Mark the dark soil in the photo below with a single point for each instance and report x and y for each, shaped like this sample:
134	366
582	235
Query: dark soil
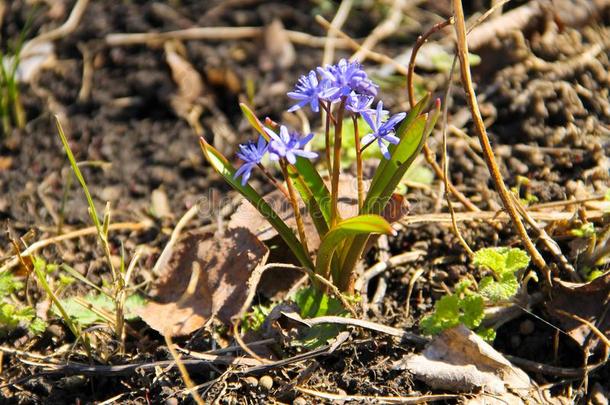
136	145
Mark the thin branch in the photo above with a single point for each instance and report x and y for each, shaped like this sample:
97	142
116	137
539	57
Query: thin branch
386	28
214	33
337	22
377	327
460	28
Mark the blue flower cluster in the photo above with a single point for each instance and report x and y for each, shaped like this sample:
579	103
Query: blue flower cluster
346	83
286	145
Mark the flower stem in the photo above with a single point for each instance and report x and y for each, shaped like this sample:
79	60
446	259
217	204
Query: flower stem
334	194
295	205
274	181
329	116
358	163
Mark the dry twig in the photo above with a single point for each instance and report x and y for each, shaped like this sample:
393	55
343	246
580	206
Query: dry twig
214	33
460	27
337	23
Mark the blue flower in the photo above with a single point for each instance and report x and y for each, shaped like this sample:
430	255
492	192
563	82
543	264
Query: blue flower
252	155
346	77
358	103
288	145
307	91
382	131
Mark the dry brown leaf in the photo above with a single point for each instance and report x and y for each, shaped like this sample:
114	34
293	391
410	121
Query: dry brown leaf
279	51
587	301
461	361
218	270
189	82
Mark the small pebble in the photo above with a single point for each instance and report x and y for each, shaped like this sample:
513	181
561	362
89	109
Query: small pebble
299	401
266	382
526	327
252	381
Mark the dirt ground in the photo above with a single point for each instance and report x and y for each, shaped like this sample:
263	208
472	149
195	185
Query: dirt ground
543	92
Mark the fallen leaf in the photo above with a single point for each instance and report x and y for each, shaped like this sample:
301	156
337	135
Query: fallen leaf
586	301
459	360
217	269
190	85
279	51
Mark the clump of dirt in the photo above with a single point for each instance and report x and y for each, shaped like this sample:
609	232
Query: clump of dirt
558	98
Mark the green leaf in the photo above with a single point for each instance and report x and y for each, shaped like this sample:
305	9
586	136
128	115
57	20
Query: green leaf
488	334
448	307
411	134
360	225
472	307
227	171
253	120
312	189
498	291
37	326
502	259
445	316
313	303
85	316
9	284
491	258
516	259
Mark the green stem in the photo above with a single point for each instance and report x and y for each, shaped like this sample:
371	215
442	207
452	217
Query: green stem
326	108
295	205
358	164
334	194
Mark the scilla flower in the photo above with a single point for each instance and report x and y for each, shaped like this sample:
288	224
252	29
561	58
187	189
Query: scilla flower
251	154
382	131
307	91
346	77
288	145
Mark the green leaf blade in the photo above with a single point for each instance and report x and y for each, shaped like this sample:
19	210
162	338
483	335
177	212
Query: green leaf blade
360	225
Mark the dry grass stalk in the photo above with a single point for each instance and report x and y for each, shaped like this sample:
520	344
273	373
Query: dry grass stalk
460	27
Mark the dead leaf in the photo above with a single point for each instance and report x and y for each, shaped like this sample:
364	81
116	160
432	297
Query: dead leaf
218	270
279	51
459	360
190	85
587	301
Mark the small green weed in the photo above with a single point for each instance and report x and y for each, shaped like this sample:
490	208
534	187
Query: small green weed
314	303
467	304
12	113
87	310
253	320
13	315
